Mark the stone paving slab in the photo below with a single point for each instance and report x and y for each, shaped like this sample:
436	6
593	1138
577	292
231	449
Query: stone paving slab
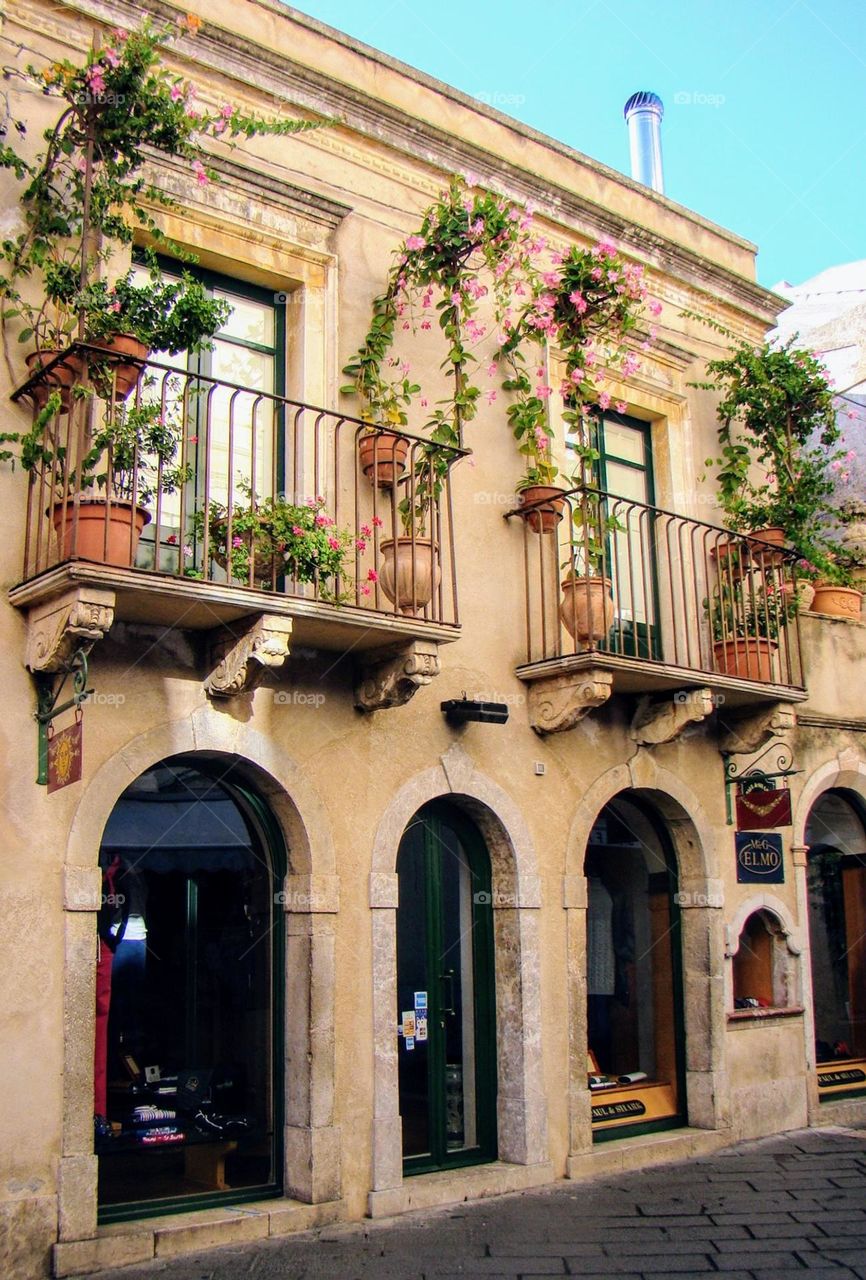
764	1210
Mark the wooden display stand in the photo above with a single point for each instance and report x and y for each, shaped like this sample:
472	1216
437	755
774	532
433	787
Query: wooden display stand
205	1164
841	1077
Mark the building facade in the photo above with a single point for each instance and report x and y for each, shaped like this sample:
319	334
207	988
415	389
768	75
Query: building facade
367	955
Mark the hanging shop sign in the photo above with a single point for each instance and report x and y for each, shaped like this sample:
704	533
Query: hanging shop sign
763	809
759	858
64	756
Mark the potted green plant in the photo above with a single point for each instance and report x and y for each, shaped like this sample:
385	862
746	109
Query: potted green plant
132	317
99	507
746	616
778	435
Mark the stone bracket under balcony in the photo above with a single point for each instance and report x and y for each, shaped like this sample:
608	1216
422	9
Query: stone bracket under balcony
240	661
393	679
63	624
662	720
559	702
744	734
642	677
242	631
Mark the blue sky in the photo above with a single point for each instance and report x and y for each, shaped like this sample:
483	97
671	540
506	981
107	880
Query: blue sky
764	129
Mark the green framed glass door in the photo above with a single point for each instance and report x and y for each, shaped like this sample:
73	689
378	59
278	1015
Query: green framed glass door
625	471
234	440
445	994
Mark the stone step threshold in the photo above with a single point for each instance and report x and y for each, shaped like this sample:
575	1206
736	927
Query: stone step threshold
624	1154
125	1243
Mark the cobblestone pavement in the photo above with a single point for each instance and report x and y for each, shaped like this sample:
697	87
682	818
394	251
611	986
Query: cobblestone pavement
766	1210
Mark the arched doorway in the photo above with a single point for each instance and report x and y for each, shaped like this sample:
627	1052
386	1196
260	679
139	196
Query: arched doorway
189	1048
445	993
836	880
633	973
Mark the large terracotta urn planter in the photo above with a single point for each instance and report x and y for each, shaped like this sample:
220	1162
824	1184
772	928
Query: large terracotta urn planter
127	366
587	608
749	657
61	378
545	518
839	602
382	458
125	523
409	572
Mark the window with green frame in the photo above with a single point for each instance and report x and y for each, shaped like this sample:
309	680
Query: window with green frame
625	470
226	430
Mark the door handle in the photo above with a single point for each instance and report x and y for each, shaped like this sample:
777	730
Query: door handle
448	1006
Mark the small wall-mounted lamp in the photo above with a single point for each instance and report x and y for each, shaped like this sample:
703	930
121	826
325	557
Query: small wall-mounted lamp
461	710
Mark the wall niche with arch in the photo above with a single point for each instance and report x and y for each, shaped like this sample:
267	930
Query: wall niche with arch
764	978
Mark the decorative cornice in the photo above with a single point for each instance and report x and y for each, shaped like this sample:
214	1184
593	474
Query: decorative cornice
242	181
302	87
815	720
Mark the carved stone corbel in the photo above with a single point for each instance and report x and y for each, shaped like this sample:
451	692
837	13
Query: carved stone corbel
557	703
657	722
240	662
390	681
745	734
65	623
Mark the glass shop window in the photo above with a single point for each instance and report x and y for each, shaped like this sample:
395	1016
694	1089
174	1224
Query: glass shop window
187	1052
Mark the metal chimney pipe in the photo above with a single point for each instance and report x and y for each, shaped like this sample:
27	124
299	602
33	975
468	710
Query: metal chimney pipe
643	113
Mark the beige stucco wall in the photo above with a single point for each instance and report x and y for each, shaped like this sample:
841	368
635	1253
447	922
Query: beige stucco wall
345	774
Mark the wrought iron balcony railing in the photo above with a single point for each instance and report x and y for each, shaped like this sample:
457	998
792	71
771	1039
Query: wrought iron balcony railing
237	486
614	577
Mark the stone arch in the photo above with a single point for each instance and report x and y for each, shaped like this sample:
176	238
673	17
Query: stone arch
846	772
522	1107
279	780
312	1163
695	844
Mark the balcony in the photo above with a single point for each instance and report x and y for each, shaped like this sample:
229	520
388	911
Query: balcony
265	521
624	598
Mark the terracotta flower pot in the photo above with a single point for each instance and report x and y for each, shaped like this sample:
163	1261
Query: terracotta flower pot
409	572
730	557
126	372
124	522
543	519
840	602
61	378
587	608
749	657
761	553
382	457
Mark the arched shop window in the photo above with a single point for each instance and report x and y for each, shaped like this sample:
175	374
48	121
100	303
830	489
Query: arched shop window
633	972
188	1053
836	879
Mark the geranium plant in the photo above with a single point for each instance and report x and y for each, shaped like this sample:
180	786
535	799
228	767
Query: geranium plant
262	539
